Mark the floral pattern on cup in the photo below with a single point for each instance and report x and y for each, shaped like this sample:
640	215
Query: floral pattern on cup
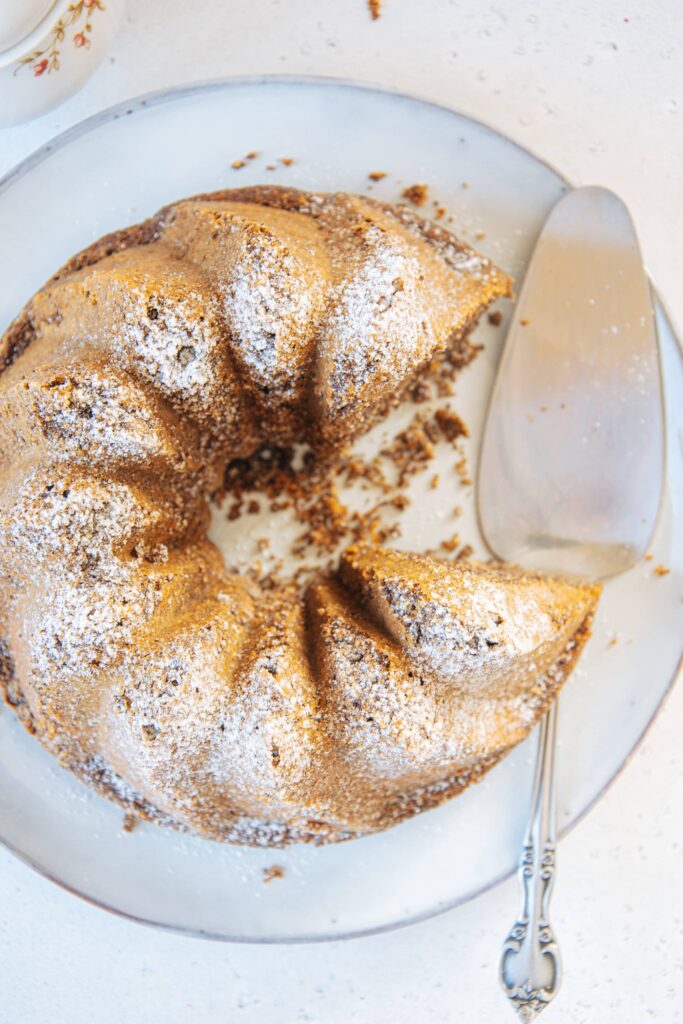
46	59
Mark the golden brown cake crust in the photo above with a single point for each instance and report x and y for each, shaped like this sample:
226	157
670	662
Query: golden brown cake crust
19	333
170	685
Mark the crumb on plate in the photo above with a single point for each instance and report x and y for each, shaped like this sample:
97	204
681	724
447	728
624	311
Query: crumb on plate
416	194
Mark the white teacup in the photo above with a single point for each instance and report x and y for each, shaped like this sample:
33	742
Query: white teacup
48	48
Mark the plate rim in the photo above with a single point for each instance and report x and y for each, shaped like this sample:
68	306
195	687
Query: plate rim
157	97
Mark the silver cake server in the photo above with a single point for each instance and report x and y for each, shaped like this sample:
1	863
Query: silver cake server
570	475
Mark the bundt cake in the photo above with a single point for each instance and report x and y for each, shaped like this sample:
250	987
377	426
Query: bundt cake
166	682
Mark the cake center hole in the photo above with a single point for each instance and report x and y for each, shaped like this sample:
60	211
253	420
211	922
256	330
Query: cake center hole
285	515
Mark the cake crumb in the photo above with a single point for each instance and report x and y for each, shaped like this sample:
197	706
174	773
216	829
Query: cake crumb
375	8
450	424
286	160
661	570
251	155
253	507
377	175
130	821
416	194
271	167
463	472
524	321
412	449
274	871
495	318
440	212
237	164
613	641
479	235
434	482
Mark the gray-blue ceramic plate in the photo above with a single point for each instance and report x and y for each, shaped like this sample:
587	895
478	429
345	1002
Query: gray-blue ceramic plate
122	165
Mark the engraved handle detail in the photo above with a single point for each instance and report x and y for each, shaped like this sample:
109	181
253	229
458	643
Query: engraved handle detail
530	966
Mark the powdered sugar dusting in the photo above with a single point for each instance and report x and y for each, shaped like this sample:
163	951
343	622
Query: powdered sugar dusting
269	307
81	521
485	630
378	321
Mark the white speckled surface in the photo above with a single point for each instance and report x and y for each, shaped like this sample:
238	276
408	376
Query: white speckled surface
602	99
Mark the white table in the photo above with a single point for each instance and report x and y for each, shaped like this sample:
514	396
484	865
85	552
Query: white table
596	89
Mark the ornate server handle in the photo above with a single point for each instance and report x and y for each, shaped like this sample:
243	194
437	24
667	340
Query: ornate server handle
530	967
